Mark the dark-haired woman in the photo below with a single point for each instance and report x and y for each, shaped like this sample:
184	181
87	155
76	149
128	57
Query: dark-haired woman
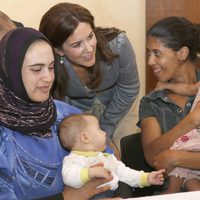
97	68
165	115
30	152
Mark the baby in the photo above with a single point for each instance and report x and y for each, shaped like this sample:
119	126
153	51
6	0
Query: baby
82	135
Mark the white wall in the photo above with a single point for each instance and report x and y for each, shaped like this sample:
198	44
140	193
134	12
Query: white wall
128	15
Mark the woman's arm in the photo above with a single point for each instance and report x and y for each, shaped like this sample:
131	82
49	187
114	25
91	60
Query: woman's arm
126	87
154	142
170	159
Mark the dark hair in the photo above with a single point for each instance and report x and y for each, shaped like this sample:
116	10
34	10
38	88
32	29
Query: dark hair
59	22
198	29
176	32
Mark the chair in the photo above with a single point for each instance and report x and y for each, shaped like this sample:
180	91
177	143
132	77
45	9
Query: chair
132	156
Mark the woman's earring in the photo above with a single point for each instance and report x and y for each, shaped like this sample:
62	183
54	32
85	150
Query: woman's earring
61	60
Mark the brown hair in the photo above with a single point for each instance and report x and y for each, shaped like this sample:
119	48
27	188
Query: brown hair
70	127
59	22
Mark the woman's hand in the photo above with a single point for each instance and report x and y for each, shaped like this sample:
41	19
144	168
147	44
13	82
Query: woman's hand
87	191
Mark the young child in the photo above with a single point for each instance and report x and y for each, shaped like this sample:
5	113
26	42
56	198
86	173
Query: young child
81	134
183	177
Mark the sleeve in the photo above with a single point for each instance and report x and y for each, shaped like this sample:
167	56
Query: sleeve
132	177
6	184
127	86
7	188
6	175
145	110
73	173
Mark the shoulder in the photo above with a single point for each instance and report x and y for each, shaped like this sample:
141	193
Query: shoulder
151	104
152	99
121	37
64	109
119	42
152	96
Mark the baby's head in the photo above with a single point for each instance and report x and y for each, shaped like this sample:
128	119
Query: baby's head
81	132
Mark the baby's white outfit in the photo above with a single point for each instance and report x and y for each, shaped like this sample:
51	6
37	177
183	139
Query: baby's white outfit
75	163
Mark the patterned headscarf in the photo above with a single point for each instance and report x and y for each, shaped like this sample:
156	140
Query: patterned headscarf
17	111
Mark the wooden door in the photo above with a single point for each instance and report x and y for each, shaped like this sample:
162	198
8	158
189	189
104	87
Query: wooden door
159	9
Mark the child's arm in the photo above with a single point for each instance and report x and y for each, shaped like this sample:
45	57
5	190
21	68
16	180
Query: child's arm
76	176
179	88
155	177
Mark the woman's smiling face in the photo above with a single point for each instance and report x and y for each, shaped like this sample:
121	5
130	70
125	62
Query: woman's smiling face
80	47
164	61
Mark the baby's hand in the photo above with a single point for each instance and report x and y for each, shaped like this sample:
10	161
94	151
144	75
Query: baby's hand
156	177
99	172
160	86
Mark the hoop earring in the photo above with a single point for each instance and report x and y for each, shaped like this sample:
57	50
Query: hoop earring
61	60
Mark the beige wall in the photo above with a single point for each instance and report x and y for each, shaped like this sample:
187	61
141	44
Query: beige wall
128	15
